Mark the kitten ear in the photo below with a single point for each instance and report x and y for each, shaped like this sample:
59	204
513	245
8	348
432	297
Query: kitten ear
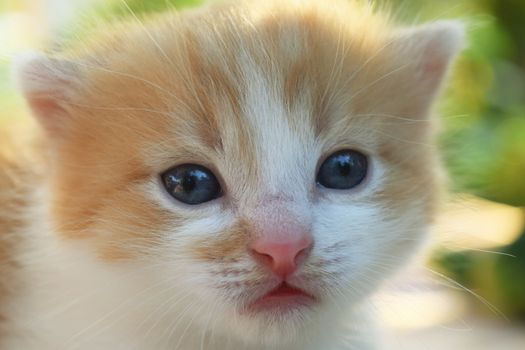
48	85
429	51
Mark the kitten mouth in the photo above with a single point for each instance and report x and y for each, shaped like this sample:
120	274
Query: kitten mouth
282	299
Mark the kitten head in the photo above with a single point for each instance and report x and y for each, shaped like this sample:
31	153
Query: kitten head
265	162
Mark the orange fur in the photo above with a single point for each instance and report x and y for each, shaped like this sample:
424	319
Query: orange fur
228	246
20	170
260	93
201	95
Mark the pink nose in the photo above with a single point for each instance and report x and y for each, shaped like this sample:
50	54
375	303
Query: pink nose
283	256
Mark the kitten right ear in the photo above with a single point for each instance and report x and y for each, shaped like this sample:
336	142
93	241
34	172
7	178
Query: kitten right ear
47	85
427	52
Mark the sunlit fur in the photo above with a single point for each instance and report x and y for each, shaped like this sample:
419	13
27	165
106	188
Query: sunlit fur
260	93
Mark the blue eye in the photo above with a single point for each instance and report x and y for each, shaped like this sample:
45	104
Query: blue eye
343	170
191	184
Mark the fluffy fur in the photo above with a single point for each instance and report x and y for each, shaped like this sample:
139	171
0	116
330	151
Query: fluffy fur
260	93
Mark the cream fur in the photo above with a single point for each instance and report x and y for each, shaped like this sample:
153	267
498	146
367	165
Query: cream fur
259	93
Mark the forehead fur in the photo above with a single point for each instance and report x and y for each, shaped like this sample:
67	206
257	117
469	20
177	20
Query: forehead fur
201	65
205	77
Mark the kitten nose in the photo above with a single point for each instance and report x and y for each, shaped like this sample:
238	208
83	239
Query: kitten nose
282	256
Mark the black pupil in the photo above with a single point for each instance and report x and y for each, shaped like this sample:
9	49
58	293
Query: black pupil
344	166
191	184
188	183
343	170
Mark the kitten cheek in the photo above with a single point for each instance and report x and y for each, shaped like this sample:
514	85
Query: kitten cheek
228	244
141	232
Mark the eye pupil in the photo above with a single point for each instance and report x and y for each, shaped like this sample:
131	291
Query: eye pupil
188	183
191	184
344	167
343	170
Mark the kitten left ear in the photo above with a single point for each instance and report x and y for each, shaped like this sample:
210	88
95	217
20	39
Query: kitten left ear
428	51
48	85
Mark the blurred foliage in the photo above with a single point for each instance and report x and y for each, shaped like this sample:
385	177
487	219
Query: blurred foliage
495	277
9	100
120	9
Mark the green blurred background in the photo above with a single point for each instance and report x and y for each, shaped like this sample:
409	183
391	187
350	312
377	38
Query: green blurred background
483	113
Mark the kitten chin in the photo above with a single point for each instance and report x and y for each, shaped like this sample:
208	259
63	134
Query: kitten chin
240	176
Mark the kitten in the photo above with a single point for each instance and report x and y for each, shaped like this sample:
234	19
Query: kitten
240	176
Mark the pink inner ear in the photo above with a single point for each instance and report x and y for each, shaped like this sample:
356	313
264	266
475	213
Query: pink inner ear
47	85
434	65
441	43
46	107
48	112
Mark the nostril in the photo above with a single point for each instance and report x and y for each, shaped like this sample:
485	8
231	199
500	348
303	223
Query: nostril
302	255
265	259
283	258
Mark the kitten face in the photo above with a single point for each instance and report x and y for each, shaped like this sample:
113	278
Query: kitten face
261	100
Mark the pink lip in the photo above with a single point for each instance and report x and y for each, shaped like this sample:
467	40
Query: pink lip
283	298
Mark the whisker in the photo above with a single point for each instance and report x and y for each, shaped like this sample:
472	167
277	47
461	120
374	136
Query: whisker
127	75
485	302
482	250
378	80
148	33
124	109
206	327
166	312
195	313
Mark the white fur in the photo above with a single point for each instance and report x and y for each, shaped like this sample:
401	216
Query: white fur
172	301
77	302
